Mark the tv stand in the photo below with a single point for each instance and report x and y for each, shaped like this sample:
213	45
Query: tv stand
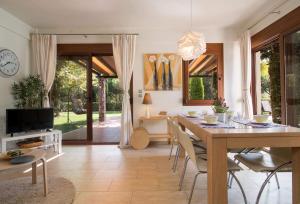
53	138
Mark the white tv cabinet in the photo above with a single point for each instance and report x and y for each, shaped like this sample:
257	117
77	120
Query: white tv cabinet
51	138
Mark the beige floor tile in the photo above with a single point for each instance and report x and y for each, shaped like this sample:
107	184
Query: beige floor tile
159	197
103	198
134	185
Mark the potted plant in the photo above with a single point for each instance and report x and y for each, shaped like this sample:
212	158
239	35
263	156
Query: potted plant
220	108
30	92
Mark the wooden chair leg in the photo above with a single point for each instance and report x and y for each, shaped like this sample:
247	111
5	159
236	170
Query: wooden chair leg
34	176
45	176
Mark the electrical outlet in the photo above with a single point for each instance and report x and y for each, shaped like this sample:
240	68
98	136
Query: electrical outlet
140	93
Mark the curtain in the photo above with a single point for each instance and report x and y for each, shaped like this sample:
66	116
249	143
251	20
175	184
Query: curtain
44	60
245	43
124	53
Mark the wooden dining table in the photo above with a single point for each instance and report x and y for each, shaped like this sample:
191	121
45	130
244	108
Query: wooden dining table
219	140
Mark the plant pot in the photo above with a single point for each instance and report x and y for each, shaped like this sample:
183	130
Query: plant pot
221	117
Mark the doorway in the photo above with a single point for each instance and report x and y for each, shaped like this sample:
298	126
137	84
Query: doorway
85	95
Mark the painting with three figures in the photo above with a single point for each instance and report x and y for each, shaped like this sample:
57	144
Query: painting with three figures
162	72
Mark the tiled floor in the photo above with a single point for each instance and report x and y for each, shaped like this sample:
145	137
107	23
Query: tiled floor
108	175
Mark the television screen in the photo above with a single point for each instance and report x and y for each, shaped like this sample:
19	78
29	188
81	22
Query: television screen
23	120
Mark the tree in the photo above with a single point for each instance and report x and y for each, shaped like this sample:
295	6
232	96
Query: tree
196	88
272	57
69	82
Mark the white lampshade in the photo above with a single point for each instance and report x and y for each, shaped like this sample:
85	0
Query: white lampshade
191	45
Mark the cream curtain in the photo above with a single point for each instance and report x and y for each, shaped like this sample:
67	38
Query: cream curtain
124	53
44	60
245	43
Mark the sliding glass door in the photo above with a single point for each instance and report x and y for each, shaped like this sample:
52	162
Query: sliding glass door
292	73
69	96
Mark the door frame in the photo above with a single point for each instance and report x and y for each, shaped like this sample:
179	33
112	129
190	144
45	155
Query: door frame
276	31
89	50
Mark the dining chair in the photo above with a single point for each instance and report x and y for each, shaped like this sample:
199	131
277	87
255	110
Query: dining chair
173	135
240	151
201	164
200	147
267	161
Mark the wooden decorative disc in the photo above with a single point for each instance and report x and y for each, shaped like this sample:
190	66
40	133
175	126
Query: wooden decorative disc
140	138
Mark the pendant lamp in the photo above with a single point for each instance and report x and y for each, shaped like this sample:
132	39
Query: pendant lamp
192	44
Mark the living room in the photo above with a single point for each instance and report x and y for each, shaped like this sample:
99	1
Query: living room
118	78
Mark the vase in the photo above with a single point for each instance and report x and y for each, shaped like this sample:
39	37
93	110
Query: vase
221	117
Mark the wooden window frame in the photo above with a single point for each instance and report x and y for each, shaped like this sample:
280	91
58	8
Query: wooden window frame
274	32
211	48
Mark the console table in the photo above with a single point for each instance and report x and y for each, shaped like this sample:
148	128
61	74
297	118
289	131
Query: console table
154	136
54	138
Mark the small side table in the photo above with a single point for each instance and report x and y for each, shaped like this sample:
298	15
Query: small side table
155	136
39	155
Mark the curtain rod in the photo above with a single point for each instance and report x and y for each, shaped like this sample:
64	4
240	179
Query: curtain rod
85	34
269	13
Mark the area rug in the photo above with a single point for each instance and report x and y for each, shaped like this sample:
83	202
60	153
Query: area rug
21	190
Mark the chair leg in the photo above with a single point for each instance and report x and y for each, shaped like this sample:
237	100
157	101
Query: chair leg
231	180
193	186
172	145
228	180
187	158
240	185
176	158
277	181
268	179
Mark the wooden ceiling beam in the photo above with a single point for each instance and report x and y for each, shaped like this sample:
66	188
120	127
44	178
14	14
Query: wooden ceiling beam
102	66
204	63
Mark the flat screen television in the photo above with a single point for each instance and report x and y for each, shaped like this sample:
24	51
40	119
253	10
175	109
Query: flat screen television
24	120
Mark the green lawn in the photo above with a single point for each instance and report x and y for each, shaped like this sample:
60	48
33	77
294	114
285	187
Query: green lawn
76	121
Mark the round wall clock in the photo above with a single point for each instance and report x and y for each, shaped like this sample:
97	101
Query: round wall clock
9	63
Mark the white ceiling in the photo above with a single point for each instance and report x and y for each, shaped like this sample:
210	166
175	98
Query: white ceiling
136	13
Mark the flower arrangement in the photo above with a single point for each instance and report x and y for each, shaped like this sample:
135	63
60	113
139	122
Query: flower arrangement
219	106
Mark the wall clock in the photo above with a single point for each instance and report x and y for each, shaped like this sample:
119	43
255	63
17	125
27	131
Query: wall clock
9	63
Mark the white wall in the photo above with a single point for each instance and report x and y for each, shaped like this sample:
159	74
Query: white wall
160	41
271	18
14	35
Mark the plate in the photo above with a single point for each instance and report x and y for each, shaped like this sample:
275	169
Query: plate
22	159
191	116
206	123
257	123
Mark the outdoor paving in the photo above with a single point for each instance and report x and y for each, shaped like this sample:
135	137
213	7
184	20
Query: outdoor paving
103	132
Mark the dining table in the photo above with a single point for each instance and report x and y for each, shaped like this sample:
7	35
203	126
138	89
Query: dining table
220	139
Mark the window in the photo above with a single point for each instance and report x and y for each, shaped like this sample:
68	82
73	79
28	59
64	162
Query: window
203	77
267	71
275	82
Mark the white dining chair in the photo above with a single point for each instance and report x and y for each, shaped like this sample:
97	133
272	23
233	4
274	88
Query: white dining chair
270	162
200	163
199	146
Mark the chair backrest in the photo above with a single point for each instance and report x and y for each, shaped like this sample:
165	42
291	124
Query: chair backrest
282	153
170	126
185	141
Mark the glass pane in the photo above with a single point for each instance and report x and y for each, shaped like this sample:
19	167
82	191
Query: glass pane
292	62
107	101
268	81
203	78
68	97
